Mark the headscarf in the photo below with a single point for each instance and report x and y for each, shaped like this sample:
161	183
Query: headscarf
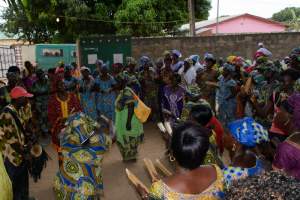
68	67
84	68
144	60
99	62
130	61
229	67
176	53
189	60
209	56
195	58
248	132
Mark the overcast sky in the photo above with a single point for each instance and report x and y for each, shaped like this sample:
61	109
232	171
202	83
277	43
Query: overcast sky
263	8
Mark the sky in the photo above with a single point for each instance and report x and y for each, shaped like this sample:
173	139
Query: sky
262	8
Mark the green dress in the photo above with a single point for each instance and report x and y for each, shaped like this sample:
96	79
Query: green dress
127	140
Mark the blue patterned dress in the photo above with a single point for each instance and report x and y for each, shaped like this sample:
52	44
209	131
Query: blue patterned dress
105	100
88	97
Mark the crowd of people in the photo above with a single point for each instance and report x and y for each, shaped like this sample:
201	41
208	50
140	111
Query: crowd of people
249	110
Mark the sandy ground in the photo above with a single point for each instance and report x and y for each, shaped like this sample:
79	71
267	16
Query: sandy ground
116	185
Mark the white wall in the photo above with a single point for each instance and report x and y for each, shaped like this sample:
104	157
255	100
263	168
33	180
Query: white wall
28	53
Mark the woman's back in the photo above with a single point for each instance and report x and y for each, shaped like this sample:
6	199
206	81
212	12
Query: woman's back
204	183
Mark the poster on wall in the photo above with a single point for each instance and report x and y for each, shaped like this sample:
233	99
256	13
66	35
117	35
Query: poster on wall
92	58
118	58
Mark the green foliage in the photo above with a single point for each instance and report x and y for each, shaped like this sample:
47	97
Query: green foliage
290	16
286	15
145	16
36	20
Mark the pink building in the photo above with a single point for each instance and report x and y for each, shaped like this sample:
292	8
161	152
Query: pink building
244	23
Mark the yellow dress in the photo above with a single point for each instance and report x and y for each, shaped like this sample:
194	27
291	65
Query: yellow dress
160	191
5	183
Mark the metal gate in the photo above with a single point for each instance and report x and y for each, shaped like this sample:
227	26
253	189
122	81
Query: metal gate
7	58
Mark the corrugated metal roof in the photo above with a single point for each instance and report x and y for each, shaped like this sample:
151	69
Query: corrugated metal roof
205	23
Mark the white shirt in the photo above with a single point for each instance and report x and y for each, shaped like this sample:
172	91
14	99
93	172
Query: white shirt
189	76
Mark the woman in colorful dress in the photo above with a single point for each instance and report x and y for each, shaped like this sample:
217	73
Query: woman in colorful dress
149	89
251	150
5	183
41	92
274	104
129	129
87	93
106	95
173	99
80	171
60	106
192	180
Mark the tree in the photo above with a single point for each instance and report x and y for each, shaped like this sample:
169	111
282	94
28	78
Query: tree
29	20
61	21
155	17
290	16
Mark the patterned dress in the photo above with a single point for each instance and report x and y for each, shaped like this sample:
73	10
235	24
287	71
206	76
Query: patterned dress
106	98
174	100
80	170
58	111
88	97
5	183
236	173
41	91
160	191
127	140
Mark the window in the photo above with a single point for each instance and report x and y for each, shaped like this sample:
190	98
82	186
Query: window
53	52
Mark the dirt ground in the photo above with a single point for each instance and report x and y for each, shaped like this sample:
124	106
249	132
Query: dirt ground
116	185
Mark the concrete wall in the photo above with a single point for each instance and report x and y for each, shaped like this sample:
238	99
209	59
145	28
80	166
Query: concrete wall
28	53
222	46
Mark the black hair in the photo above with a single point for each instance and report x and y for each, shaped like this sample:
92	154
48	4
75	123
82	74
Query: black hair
202	114
269	186
51	71
27	64
189	144
14	69
293	73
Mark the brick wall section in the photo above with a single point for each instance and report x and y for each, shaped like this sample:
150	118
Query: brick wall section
280	44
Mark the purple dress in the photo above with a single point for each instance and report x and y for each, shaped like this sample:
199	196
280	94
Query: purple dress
287	158
294	101
173	100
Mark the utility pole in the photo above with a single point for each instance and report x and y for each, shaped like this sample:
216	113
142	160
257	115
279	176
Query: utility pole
191	5
218	9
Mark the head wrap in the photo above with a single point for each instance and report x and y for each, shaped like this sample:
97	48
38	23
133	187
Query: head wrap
84	68
144	60
248	132
130	61
189	60
68	67
209	56
230	59
265	52
229	67
195	58
176	53
99	62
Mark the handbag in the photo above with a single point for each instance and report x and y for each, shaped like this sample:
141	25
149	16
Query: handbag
141	111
